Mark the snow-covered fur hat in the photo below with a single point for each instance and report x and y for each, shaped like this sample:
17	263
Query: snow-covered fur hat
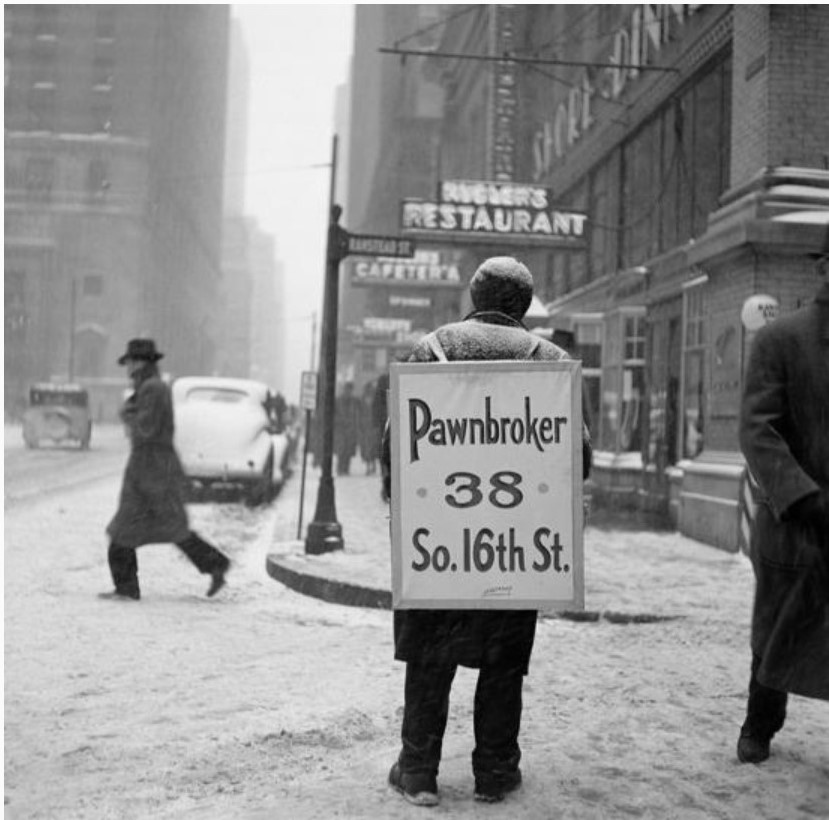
504	284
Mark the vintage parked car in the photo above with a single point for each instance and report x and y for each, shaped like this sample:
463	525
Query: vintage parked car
227	437
58	413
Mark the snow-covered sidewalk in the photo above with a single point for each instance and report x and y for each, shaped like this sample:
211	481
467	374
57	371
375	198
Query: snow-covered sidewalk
263	703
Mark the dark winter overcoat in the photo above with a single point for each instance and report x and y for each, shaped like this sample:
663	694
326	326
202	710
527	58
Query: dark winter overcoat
347	425
471	637
784	434
151	508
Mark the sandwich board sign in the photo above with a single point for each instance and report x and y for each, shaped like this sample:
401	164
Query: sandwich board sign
487	485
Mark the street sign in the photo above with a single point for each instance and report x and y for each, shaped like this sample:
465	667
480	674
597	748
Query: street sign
487	478
308	390
367	245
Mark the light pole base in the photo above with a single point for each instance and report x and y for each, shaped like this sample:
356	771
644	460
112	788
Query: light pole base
324	536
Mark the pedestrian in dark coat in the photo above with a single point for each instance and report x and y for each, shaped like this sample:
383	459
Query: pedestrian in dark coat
151	507
498	643
347	427
784	435
369	442
379	418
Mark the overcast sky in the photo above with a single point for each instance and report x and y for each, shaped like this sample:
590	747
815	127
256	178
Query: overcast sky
298	55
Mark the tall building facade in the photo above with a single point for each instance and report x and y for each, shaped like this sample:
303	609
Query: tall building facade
393	150
114	153
251	322
268	319
689	142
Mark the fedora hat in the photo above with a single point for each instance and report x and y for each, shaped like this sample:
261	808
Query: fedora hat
143	349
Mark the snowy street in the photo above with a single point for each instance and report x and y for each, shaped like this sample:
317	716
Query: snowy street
263	703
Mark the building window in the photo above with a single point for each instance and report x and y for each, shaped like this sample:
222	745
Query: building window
40	172
44	63
633	384
623	382
46	21
588	349
664	366
16	318
675	167
694	370
97	177
604	210
93	285
42	106
103	69
105	23
101	111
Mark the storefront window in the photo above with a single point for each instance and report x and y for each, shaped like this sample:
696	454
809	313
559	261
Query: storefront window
633	385
588	349
663	355
623	382
694	366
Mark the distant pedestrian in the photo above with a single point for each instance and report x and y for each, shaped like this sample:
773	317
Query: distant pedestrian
369	441
346	428
151	508
497	642
784	435
379	417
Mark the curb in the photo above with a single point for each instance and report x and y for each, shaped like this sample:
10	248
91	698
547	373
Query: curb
346	594
592	616
326	589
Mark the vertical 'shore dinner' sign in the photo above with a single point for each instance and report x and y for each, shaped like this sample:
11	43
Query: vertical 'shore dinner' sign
487	485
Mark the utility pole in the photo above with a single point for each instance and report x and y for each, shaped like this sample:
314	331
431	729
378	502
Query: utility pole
72	322
314	340
325	532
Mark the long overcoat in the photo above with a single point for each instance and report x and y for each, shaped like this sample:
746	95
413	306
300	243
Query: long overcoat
151	507
470	637
784	435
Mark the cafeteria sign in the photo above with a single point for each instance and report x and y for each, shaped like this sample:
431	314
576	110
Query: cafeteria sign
487	485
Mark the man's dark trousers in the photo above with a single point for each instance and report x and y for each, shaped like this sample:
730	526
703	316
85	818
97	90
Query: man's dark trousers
497	719
123	563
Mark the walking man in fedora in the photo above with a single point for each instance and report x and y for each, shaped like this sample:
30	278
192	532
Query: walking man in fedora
151	508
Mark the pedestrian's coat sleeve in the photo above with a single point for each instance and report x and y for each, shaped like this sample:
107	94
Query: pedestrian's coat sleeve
763	413
147	423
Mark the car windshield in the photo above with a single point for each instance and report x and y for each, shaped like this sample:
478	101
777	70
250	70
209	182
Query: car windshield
220	395
40	397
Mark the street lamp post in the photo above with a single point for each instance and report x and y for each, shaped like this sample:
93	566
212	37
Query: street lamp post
325	532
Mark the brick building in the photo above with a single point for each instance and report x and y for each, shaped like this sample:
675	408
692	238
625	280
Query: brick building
114	141
706	184
694	139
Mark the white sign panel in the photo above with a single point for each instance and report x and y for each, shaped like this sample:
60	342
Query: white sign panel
308	390
487	485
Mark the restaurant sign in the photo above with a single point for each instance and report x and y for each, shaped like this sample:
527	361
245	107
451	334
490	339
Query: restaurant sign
494	210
